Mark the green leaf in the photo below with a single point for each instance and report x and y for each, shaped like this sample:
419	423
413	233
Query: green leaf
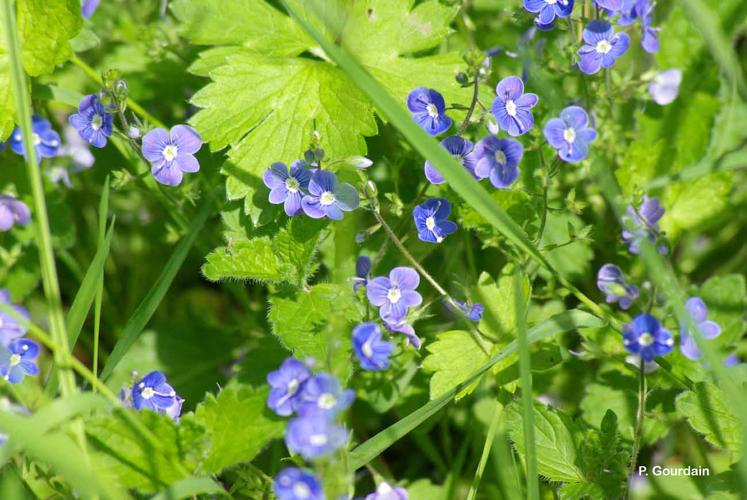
238	425
708	412
554	441
46	28
726	298
499	299
190	487
248	260
452	360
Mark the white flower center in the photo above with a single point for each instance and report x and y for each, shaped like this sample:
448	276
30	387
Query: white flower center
292	184
430	223
318	439
551	2
432	110
36	139
500	157
603	46
384	489
327	198
300	490
96	122
511	107
327	401
645	339
569	135
170	152
293	387
15	359
148	393
393	295
367	349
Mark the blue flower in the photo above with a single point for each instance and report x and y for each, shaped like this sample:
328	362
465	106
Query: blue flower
611	282
286	383
386	492
570	134
643	223
171	153
428	110
665	87
461	149
603	47
92	121
697	309
293	483
647	338
430	220
362	271
322	395
650	35
88	7
732	360
628	13
372	352
45	140
13	212
610	5
548	10
327	197
499	160
395	295
17	360
402	326
10	328
473	312
154	393
512	106
314	436
287	187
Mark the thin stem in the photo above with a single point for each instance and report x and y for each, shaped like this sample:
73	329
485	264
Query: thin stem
638	425
103	210
489	439
471	109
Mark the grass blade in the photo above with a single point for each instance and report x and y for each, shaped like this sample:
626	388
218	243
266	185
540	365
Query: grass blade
560	323
489	439
190	487
98	300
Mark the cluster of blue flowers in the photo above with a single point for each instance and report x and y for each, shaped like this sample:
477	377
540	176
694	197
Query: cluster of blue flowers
17	354
153	392
12	212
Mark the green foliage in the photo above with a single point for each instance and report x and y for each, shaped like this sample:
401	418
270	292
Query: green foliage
709	413
726	298
499	299
452	359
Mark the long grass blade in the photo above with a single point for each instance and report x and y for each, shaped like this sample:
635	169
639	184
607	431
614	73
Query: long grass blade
98	300
190	487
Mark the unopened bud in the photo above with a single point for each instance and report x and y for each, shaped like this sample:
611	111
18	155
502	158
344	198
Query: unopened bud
359	161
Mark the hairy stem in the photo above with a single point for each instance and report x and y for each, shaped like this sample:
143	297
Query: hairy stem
638	425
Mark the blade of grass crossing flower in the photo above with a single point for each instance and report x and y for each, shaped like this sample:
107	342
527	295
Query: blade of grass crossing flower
98	300
527	398
155	295
373	447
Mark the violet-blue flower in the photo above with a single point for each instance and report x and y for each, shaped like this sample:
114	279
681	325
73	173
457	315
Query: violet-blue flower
45	139
395	295
171	153
603	47
698	311
92	121
461	149
512	106
402	326
385	491
10	327
293	483
570	134
371	350
649	34
17	360
473	312
431	220
362	271
13	211
641	223
286	383
665	86
322	394
611	281
88	7
498	159
548	10
327	197
610	5
647	338
287	187
314	436
154	393
428	109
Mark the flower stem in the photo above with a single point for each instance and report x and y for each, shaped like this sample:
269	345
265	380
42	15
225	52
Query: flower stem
638	425
471	109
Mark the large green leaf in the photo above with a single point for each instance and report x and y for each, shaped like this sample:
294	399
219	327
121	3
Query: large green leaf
453	358
708	411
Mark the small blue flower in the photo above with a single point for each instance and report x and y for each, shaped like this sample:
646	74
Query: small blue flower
386	492
362	271
610	5
17	360
287	187
395	295
697	309
665	87
461	149
371	350
603	47
322	395
650	34
473	312
327	197
548	10
570	134
428	110
611	282
293	483
643	223
88	7
314	436
512	106
13	212
402	326
154	393
732	360
647	338
92	121
628	13
10	328
498	159
431	220
45	140
286	383
171	153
